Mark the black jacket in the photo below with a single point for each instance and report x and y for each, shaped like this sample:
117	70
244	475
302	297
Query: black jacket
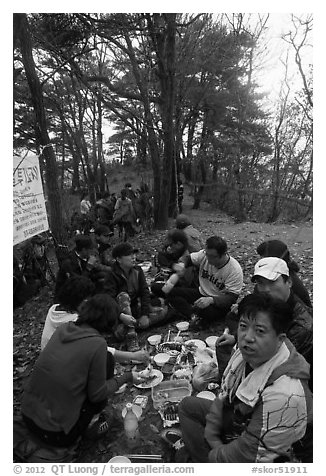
135	285
300	331
73	265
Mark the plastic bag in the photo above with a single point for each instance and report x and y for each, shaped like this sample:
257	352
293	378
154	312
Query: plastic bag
203	374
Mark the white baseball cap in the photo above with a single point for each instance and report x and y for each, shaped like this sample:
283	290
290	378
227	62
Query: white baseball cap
270	268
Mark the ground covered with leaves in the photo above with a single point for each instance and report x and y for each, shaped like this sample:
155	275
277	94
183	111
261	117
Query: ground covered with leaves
242	238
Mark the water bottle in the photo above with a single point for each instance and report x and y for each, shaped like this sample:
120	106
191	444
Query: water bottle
223	354
131	427
154	265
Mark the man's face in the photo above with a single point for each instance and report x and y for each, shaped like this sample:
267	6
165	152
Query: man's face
39	250
278	289
85	253
103	239
213	257
127	261
174	248
257	339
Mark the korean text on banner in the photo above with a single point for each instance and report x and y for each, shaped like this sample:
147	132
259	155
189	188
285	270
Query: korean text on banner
30	217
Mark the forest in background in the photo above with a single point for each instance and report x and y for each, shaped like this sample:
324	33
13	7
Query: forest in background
181	92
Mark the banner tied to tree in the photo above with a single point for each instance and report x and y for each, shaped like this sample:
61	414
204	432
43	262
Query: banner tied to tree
29	211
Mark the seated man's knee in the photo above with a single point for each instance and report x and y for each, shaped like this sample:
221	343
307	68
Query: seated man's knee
186	405
156	289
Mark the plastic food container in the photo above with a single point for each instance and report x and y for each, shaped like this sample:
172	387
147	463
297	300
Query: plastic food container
170	391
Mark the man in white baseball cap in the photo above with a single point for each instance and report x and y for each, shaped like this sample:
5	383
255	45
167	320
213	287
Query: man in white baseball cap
271	275
270	268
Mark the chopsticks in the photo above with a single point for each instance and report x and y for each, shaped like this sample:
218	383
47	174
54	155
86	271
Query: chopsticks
176	337
136	457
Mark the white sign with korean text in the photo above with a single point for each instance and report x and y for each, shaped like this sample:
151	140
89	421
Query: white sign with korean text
29	212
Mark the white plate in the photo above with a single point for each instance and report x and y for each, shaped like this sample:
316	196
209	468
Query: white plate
207	395
199	343
158	379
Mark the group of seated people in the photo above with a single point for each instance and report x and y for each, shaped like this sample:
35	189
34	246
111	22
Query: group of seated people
264	407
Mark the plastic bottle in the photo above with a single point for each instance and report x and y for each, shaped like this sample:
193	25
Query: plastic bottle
131	427
132	340
223	354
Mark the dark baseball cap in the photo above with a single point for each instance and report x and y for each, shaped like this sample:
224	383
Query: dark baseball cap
102	230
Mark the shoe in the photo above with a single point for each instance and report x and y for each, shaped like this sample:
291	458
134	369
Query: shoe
98	429
132	341
173	437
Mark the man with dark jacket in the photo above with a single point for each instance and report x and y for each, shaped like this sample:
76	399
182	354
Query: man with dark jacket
126	283
76	263
279	249
125	276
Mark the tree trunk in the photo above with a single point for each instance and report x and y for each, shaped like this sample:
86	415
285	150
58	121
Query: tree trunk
22	34
198	192
166	65
63	159
173	204
100	156
241	212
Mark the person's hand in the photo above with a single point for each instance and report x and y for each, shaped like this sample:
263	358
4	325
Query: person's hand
137	378
127	320
141	356
92	260
167	288
225	339
143	322
179	268
203	302
234	308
